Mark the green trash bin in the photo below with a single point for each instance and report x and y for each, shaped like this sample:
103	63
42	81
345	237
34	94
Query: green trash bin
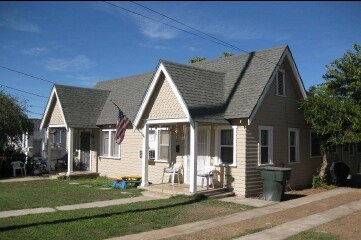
274	182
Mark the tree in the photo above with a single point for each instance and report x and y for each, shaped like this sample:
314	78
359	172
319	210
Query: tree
227	54
13	121
196	59
333	108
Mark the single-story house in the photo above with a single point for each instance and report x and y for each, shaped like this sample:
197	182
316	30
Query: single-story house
236	113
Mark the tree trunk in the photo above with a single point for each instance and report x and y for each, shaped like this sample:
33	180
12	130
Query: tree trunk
323	165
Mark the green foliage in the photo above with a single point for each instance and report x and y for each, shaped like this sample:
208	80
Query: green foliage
227	54
13	121
319	182
333	108
196	59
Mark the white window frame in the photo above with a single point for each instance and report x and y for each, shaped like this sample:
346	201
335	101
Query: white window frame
313	156
109	144
157	144
270	145
297	144
283	82
218	160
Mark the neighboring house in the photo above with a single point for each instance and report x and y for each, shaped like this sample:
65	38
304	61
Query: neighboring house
236	113
33	145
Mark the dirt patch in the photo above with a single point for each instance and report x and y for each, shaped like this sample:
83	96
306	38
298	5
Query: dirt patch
267	221
348	227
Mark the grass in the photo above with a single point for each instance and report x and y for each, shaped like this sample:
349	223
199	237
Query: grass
100	223
51	193
314	236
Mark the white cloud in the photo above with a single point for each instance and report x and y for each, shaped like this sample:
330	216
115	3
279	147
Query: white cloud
10	20
157	30
156	47
36	51
79	62
191	48
86	81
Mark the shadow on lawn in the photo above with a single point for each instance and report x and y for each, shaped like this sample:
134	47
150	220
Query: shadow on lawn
194	199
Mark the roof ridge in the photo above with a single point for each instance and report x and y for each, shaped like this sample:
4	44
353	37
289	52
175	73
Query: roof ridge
121	78
84	88
239	55
189	66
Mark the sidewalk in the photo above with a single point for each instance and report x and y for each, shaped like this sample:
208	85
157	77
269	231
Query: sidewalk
238	217
97	204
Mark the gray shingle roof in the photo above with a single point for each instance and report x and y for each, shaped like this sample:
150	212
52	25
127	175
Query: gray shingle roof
81	106
127	93
245	78
202	90
213	91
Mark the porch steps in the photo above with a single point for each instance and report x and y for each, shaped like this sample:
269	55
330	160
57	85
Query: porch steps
217	193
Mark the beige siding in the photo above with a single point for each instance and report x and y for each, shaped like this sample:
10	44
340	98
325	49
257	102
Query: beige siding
239	172
129	162
56	116
281	113
163	103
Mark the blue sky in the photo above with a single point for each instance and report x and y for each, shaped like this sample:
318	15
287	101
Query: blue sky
80	43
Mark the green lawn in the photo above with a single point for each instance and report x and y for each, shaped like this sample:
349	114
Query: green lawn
314	236
51	193
100	223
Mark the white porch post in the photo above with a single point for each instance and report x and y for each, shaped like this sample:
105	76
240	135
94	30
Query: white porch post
145	156
70	139
48	150
193	158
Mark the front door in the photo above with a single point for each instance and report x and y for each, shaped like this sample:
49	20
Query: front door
203	149
85	151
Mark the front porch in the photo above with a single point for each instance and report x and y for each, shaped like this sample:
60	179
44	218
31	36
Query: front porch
168	189
192	147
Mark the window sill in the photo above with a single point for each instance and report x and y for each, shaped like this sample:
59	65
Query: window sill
225	165
115	158
160	161
281	95
265	164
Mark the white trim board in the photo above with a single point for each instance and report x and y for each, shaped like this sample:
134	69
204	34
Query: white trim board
161	69
295	72
51	99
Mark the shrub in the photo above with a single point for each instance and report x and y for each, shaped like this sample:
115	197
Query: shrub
319	182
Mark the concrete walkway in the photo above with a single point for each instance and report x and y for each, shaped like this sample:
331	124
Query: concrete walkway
29	178
98	204
289	229
237	217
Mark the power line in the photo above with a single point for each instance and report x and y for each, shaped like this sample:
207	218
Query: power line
183	24
23	91
28	75
23	96
180	29
215	39
34	112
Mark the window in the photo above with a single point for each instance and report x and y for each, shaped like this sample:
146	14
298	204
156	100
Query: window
109	147
164	143
352	149
225	145
358	147
226	151
293	145
265	150
151	145
280	83
315	145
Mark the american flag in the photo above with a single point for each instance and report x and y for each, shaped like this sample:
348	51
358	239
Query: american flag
122	124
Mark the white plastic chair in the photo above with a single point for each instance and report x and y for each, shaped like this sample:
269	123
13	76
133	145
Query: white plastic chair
206	173
175	169
18	165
